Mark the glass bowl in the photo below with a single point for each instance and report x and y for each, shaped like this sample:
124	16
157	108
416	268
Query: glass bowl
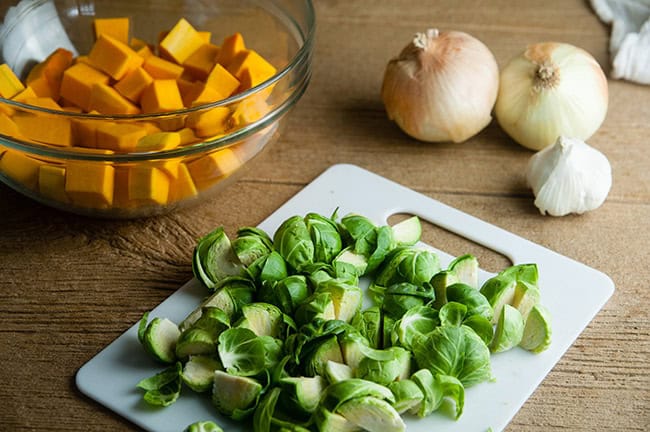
101	165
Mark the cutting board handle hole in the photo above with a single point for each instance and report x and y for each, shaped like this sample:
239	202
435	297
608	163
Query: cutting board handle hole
455	244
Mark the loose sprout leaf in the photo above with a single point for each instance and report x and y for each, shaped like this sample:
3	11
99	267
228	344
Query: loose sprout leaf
453	314
163	388
263	416
142	326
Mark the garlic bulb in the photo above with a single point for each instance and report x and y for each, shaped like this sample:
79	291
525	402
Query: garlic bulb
442	86
551	89
569	177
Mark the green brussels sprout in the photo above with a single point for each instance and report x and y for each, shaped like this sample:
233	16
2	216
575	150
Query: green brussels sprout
419	266
362	231
407	232
264	319
163	388
204	426
465	267
301	395
335	371
472	298
407	395
454	351
368	323
499	290
385	366
348	263
251	244
385	244
242	352
537	331
415	322
159	338
235	396
265	411
317	306
440	281
214	259
343	391
320	352
293	241
481	326
436	389
401	297
372	414
287	294
346	297
452	314
198	372
195	341
509	331
327	421
325	237
526	297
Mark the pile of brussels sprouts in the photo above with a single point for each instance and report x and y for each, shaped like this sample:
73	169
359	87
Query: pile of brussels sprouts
283	338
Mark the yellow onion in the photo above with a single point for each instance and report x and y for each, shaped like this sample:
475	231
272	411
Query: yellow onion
441	87
549	90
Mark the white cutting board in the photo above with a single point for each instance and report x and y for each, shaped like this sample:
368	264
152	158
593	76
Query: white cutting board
573	293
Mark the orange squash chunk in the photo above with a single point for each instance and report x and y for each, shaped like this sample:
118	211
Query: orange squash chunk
231	46
43	102
161	96
209	169
106	100
160	68
259	70
133	84
78	81
25	94
8	127
222	81
120	137
90	184
10	85
52	130
45	78
199	93
117	28
210	122
183	186
181	41
20	167
148	185
51	182
113	57
158	141
201	62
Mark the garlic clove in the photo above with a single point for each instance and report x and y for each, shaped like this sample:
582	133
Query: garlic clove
569	177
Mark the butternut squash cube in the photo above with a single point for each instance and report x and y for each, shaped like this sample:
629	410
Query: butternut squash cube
78	80
113	57
45	78
201	62
20	168
54	130
51	182
106	100
181	41
198	93
222	81
210	122
148	185
159	141
160	96
26	93
10	85
259	70
117	28
209	169
183	186
133	84
119	137
8	127
160	68
187	136
44	102
231	46
84	132
90	184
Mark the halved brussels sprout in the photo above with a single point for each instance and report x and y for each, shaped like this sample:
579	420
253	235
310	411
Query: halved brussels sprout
214	259
251	244
537	331
385	366
235	396
198	372
195	341
336	371
465	267
325	237
302	394
204	426
407	395
241	352
293	241
407	232
415	322
509	331
159	338
372	414
343	391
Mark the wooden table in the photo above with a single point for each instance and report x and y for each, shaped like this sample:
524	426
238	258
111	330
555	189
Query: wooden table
69	285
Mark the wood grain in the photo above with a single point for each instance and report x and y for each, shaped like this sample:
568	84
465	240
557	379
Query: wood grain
69	285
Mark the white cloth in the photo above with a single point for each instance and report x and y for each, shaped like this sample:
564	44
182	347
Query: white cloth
629	44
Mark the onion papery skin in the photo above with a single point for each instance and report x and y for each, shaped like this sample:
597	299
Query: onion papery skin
572	103
443	92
